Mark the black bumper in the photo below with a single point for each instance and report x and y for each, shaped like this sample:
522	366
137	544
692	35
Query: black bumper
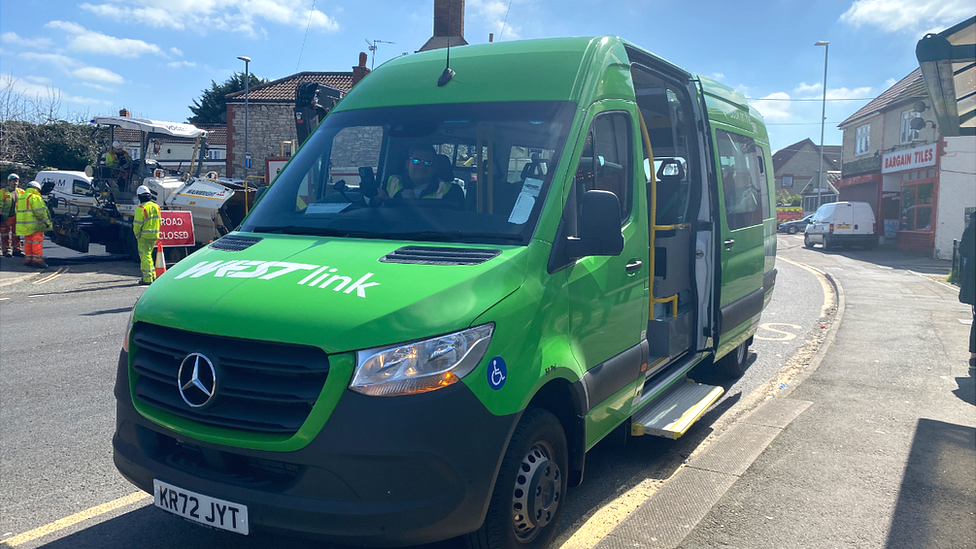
383	471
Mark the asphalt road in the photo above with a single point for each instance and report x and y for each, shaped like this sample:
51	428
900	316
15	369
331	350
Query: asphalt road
61	330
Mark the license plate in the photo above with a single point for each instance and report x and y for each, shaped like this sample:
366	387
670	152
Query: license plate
217	513
848	227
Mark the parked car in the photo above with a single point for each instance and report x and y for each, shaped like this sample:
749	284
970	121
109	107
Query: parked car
795	226
842	224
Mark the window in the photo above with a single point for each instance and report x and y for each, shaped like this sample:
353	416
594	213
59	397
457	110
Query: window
907	133
916	207
134	152
741	180
862	140
215	154
605	162
81	187
787	182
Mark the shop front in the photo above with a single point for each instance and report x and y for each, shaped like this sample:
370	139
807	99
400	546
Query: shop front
911	175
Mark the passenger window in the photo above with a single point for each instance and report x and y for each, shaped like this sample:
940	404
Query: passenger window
741	181
605	162
80	187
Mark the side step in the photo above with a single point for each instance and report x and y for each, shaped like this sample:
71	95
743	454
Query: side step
675	413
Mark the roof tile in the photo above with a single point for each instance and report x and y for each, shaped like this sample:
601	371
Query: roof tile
910	87
283	89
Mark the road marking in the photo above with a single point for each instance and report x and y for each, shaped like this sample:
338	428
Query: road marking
52	276
593	528
61	524
768	326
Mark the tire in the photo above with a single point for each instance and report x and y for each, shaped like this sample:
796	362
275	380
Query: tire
532	478
792	229
806	241
827	244
733	365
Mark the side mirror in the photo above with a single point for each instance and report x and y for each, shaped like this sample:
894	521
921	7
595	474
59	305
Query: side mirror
599	226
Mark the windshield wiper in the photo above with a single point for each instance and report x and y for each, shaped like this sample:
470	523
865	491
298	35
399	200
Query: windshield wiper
301	229
451	236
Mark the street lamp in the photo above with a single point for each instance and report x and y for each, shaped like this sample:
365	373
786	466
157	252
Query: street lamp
823	118
247	85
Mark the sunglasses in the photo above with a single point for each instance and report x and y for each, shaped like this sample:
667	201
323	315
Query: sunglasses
418	161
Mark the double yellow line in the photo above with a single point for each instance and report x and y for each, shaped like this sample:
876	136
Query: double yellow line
52	276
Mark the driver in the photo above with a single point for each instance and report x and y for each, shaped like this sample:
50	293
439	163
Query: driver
420	180
118	160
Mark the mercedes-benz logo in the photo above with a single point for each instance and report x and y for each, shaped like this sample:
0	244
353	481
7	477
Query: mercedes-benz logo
197	380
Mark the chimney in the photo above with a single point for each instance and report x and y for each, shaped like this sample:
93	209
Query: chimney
448	25
125	113
360	70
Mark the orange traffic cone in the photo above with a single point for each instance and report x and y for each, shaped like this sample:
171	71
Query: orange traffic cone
160	259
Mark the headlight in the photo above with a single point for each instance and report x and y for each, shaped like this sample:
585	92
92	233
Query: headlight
422	366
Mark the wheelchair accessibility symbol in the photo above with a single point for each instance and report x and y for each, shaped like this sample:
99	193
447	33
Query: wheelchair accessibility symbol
497	373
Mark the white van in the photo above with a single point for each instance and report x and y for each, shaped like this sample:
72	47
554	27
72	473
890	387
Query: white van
842	224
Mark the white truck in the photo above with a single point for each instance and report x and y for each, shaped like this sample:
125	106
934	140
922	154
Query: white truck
98	205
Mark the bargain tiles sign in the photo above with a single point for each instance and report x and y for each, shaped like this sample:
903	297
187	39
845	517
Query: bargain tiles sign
911	159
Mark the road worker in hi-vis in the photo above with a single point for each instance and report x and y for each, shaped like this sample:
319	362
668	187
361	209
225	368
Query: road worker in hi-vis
33	219
8	217
146	228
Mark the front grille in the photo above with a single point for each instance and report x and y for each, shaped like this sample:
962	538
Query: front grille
234	243
423	255
225	466
261	387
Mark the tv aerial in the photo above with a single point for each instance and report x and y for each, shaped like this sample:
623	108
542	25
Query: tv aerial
372	48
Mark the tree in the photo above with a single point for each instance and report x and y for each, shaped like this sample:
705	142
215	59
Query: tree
211	108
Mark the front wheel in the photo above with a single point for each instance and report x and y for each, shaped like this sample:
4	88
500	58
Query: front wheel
733	365
527	499
792	229
806	241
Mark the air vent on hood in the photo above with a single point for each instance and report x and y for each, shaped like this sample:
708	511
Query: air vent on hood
235	243
421	255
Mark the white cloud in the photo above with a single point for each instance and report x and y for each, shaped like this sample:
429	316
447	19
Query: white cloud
62	62
99	87
493	13
179	64
890	82
36	43
216	15
38	80
717	76
38	91
844	93
807	89
776	109
98	75
908	16
73	67
84	40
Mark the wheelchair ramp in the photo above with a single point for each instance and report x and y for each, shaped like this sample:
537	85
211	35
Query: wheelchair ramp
675	413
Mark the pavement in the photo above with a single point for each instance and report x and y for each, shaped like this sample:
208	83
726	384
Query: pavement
873	444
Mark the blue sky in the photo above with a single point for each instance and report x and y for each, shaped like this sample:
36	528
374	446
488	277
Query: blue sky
155	56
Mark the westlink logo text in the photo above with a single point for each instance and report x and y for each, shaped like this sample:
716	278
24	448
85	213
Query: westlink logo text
322	276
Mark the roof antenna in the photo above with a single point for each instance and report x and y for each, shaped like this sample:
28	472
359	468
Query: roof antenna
448	74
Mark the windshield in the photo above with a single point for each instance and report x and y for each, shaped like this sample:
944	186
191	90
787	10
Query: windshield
475	173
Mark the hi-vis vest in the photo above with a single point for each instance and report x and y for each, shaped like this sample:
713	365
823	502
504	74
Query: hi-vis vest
146	223
395	184
32	214
8	202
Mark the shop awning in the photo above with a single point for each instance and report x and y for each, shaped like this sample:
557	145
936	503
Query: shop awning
948	62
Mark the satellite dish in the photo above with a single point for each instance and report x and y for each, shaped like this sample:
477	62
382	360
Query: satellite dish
919	107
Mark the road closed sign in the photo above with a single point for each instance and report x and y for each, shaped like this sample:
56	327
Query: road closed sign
176	228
